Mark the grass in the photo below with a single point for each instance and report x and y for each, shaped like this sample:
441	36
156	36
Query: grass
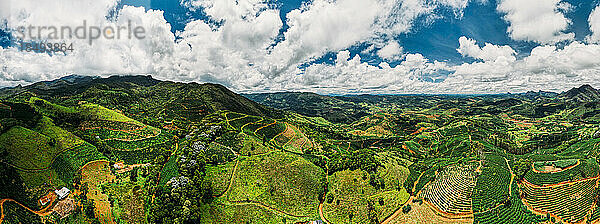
103	113
283	181
50	109
68	164
239	123
94	175
41	178
252	145
351	199
28	149
222	212
171	169
219	176
63	138
128	202
138	156
49	155
138	144
562	164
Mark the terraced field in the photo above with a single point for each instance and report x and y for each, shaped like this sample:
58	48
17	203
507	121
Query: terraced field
452	190
424	213
351	199
496	197
493	187
139	150
587	168
571	202
513	211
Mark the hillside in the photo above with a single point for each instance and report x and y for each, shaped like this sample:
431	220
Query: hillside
140	150
314	105
122	92
585	93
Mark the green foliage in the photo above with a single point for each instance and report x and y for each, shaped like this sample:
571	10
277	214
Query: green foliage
170	170
586	169
261	179
406	209
512	211
67	164
492	188
208	155
364	159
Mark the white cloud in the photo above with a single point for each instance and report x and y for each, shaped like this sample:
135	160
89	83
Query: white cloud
233	53
228	9
546	68
489	52
594	23
541	21
240	53
391	51
349	75
104	56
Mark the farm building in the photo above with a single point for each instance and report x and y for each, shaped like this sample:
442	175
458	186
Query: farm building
47	198
119	165
62	193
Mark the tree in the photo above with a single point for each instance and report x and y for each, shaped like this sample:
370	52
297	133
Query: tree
133	175
406	209
521	168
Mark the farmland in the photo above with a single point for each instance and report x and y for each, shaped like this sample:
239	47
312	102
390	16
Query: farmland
138	150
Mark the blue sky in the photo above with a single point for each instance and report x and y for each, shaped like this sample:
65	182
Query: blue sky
433	39
327	46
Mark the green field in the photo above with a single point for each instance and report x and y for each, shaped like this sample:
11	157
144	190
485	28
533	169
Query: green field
168	152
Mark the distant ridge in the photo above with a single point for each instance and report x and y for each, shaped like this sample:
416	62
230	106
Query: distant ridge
585	93
136	89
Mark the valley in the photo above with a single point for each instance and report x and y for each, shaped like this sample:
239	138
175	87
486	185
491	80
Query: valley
133	149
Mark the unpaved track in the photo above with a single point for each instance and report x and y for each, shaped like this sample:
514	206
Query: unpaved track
42	212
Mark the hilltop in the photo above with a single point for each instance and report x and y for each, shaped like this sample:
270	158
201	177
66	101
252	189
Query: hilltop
585	93
133	149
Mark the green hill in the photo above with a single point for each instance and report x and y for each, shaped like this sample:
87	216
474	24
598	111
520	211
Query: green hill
133	149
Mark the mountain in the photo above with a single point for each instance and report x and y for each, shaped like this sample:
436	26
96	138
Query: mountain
133	149
585	93
125	92
311	104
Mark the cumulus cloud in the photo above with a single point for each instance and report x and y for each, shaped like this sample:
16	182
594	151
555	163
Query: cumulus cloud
314	29
547	68
594	23
489	52
104	56
391	51
241	50
541	21
350	75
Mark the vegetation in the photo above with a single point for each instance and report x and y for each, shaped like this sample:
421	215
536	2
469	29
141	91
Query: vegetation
132	149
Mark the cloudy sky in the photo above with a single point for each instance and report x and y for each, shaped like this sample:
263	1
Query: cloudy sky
324	46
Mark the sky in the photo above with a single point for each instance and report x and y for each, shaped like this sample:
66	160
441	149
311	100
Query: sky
322	46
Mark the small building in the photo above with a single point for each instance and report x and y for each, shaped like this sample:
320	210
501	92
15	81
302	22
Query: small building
62	193
47	198
119	165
